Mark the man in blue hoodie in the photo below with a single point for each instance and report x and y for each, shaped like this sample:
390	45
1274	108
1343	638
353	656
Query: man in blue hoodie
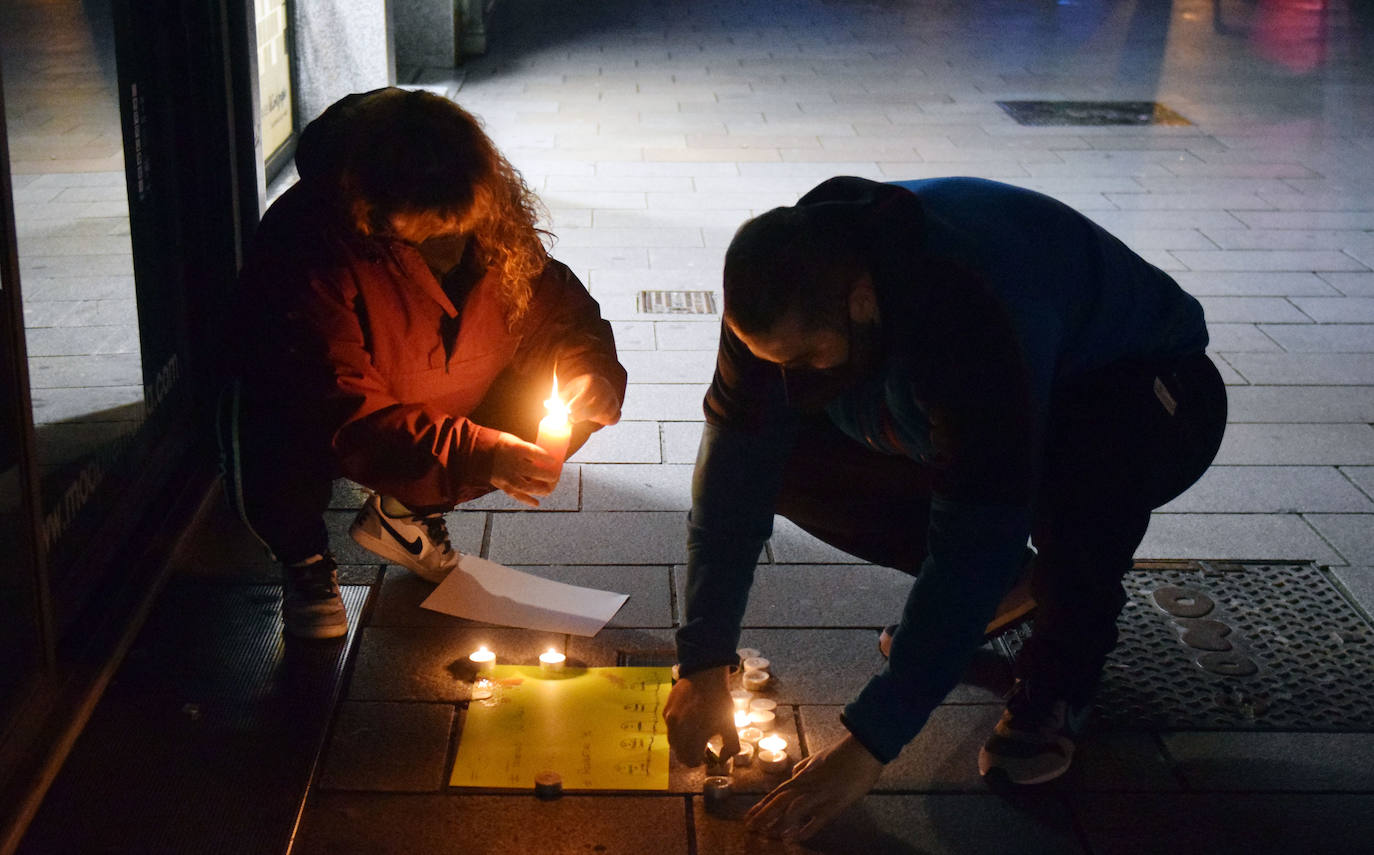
928	374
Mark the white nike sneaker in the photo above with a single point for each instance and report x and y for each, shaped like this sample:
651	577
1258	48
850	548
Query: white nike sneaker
418	543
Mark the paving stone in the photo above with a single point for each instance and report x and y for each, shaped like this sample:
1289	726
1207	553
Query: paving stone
816	666
1305	369
790	544
681	441
625	442
590	537
1213	823
492	824
631	487
1337	310
1034	824
634	335
1235	536
1256	310
1269	490
1351	534
1359	583
683	335
1312	444
1324	338
670	366
844	595
430	663
1258	762
397	602
388	747
1255	284
1297	404
1229	338
664	401
565	495
1361	476
1352	284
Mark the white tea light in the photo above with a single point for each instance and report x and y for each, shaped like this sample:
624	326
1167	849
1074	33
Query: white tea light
772	754
552	660
745	757
762	704
741	719
742	698
755	663
750	735
483	659
762	718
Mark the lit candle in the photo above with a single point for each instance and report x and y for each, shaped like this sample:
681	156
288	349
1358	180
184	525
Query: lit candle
762	718
554	428
772	754
755	663
741	697
483	659
755	680
746	754
741	719
750	735
552	660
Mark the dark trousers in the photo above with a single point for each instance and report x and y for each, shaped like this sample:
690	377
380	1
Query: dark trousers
278	475
1113	453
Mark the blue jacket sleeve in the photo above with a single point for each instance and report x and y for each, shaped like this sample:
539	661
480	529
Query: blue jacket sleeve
734	489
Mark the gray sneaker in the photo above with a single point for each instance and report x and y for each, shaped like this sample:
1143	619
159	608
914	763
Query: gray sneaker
1034	741
418	543
311	606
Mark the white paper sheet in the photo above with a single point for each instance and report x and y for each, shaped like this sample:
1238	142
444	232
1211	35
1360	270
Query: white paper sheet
493	593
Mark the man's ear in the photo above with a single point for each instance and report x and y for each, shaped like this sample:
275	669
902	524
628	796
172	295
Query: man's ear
863	300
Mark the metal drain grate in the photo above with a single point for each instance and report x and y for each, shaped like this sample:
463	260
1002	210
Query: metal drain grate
1039	113
677	303
1236	647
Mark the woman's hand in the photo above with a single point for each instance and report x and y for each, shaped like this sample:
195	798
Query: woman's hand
523	470
698	708
820	788
590	398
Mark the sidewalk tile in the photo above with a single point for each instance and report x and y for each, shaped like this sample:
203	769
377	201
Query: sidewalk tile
589	537
1270	489
430	663
663	401
1355	337
681	441
650	588
1251	310
1359	582
630	487
388	747
625	442
791	544
832	595
1257	762
1300	404
1305	369
1337	310
1241	338
816	666
1362	477
1235	536
1351	534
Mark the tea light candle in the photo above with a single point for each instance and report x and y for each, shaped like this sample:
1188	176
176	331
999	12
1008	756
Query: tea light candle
554	428
762	718
741	697
552	660
750	735
483	659
755	663
747	653
745	757
772	754
755	680
762	704
741	719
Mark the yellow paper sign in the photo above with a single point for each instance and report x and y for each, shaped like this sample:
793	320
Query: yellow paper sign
598	728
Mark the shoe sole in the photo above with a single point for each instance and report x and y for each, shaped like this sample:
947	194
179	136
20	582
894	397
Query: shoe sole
316	633
391	552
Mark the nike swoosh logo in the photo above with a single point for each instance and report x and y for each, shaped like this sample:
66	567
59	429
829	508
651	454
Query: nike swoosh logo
413	547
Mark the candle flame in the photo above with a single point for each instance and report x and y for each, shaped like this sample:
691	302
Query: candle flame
773	742
557	410
741	719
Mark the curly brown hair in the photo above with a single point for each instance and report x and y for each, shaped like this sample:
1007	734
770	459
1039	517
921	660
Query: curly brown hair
409	152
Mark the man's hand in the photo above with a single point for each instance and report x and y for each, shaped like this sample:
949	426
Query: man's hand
591	398
820	788
523	470
698	708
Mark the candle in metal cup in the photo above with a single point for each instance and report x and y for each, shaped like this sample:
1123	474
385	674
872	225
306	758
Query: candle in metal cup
715	792
772	754
756	663
762	718
745	757
750	735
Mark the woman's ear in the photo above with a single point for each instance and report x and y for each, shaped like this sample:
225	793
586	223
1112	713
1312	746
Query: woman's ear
863	300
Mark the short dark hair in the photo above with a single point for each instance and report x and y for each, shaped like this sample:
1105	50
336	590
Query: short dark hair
801	258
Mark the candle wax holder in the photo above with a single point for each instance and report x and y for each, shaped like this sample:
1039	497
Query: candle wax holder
750	735
715	792
773	762
742	698
755	680
745	757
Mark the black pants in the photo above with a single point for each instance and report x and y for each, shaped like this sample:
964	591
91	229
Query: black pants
1113	453
279	481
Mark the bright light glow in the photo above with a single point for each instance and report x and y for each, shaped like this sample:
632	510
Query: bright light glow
741	719
557	410
772	742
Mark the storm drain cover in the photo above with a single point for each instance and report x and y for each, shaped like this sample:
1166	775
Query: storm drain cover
1091	113
1236	646
677	302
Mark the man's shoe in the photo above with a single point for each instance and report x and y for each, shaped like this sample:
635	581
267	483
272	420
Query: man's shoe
310	605
418	543
1034	741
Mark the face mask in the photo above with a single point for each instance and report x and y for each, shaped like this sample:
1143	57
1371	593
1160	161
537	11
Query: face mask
811	389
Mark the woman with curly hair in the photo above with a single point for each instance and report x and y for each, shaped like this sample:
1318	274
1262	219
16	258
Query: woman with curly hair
400	325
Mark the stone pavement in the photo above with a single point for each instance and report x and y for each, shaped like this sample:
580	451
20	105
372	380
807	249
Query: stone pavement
651	130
